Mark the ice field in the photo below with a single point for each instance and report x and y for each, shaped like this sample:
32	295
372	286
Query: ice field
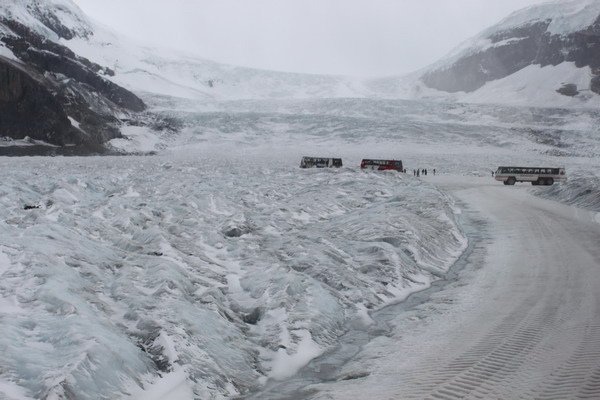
229	270
217	266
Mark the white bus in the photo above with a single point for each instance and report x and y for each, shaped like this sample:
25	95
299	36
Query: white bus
535	175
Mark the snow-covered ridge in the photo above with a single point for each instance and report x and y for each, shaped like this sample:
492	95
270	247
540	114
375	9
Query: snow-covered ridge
544	55
563	17
57	96
53	19
566	16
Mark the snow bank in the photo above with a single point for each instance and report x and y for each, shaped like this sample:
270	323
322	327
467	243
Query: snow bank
582	190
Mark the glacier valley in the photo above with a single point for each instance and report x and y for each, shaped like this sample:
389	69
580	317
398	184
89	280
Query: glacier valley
218	265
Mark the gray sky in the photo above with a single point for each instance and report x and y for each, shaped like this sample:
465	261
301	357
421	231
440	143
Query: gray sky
352	37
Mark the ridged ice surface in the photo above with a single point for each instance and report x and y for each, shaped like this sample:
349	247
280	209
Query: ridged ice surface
211	272
397	128
581	190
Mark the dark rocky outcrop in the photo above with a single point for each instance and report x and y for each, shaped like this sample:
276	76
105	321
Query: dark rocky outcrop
28	108
50	83
568	89
595	84
48	56
514	49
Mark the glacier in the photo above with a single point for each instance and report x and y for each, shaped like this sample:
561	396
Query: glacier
218	265
222	270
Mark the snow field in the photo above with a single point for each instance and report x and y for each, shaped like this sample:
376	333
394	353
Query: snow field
140	276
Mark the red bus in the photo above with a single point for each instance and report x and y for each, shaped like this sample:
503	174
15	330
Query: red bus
382	165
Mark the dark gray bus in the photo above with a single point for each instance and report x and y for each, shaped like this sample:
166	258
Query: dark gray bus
320	162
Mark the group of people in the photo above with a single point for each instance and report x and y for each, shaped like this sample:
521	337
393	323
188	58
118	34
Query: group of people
419	172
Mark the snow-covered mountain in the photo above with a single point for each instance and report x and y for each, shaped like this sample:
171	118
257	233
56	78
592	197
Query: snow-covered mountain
49	93
84	77
153	72
82	84
544	55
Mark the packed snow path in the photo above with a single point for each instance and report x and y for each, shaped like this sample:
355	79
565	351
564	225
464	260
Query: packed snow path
521	321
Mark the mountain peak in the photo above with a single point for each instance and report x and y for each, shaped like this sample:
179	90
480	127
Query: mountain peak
559	39
53	19
564	16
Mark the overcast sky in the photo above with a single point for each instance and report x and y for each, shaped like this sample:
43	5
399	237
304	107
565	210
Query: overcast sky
352	37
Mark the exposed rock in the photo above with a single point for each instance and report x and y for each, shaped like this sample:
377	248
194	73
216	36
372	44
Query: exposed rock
48	56
595	85
471	72
568	89
234	232
27	108
253	317
516	48
55	96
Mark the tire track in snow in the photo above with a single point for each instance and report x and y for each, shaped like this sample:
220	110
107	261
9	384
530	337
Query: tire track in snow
530	328
514	356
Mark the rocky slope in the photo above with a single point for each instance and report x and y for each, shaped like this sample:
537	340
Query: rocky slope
559	40
49	94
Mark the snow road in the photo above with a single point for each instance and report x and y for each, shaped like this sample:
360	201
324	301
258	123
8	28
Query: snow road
521	321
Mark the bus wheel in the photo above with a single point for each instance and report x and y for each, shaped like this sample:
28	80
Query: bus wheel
535	183
505	182
511	181
550	181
